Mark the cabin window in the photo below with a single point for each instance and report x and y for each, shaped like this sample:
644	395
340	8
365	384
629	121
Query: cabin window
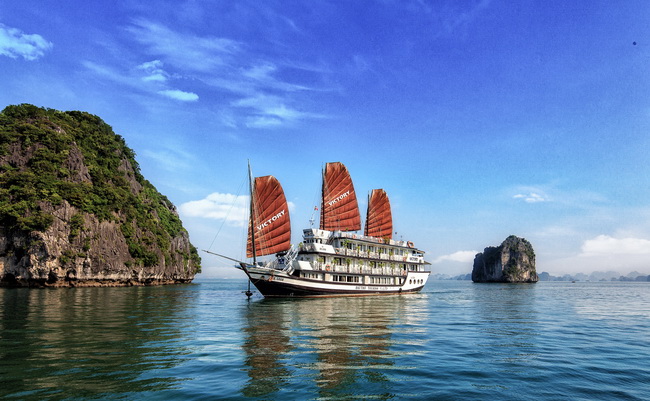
346	279
382	280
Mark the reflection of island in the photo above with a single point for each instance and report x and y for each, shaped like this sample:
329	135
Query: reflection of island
508	317
341	345
92	341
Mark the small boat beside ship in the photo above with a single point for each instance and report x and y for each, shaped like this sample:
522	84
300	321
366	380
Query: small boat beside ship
334	259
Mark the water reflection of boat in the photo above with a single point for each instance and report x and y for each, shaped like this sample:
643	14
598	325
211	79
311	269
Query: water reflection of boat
334	344
333	259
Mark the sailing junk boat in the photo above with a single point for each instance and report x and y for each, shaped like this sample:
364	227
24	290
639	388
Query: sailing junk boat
333	259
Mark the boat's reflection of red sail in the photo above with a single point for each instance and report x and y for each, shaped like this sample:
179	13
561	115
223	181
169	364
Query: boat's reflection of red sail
379	221
339	208
270	214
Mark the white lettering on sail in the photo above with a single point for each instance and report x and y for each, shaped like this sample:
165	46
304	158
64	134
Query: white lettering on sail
338	198
271	220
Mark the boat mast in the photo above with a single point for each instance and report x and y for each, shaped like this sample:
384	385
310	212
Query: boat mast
250	181
322	200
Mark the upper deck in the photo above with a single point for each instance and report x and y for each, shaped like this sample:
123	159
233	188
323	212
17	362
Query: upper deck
360	246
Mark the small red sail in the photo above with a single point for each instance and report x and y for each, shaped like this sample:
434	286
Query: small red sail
379	221
270	214
339	207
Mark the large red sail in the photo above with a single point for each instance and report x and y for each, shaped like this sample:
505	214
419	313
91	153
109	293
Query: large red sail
339	208
270	214
379	221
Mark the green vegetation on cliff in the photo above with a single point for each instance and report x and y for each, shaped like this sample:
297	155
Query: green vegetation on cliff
48	156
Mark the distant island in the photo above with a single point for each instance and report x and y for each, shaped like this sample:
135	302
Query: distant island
544	276
76	211
511	262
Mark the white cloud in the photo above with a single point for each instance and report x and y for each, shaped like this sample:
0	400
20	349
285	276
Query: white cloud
532	197
233	209
228	207
606	245
14	43
154	71
180	95
460	256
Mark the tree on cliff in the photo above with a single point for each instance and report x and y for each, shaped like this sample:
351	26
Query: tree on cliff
74	207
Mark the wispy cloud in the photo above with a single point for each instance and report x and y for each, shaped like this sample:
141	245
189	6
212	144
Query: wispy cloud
155	79
460	256
110	73
270	111
555	193
183	50
180	95
262	98
171	159
14	43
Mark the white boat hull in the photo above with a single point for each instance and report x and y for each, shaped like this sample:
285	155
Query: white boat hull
276	283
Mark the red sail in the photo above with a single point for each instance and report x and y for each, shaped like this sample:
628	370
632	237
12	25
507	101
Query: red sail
379	221
270	214
339	210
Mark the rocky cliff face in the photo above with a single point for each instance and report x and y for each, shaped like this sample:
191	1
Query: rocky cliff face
511	262
75	210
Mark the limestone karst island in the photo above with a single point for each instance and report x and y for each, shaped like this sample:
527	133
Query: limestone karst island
75	210
511	262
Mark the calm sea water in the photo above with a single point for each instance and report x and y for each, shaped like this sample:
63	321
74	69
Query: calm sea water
455	341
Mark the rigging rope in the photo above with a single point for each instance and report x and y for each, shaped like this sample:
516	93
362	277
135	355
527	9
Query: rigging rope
229	211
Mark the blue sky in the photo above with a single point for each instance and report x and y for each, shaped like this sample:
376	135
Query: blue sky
480	119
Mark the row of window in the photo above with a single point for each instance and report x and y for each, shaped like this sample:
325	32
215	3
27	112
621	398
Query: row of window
382	280
352	279
372	264
372	248
346	279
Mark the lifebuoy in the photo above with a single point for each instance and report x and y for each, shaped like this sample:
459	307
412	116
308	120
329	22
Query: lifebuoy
410	244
